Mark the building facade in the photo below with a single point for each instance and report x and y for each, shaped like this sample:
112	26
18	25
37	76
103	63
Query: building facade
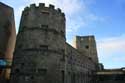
7	40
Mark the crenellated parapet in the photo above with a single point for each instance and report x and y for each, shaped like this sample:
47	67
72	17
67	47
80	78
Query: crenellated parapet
42	6
37	17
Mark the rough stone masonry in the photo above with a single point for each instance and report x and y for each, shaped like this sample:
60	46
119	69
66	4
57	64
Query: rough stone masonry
42	54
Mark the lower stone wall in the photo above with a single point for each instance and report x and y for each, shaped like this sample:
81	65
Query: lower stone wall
79	67
109	76
112	81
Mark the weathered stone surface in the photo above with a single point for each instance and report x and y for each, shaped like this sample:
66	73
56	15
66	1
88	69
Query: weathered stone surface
40	46
87	44
80	68
42	54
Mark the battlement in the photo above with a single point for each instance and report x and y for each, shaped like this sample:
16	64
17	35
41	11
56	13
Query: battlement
42	6
43	18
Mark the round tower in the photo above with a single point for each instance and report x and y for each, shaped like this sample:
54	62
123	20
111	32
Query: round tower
40	46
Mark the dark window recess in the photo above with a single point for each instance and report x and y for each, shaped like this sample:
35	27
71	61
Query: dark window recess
63	58
7	25
23	28
62	33
26	13
42	71
69	62
44	47
87	47
90	58
54	31
45	12
1	54
62	51
44	26
17	70
22	64
63	54
32	70
73	78
20	46
69	73
63	76
32	77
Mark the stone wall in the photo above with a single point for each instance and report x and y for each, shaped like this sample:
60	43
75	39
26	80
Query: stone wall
40	46
87	44
80	68
111	76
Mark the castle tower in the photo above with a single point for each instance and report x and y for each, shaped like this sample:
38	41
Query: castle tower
7	40
40	46
87	44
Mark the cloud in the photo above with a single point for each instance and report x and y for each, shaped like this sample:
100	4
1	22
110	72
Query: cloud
75	24
93	17
110	50
113	44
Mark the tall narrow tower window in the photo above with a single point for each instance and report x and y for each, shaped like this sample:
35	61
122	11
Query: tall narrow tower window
63	76
17	70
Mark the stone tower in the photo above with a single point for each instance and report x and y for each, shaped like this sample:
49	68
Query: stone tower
87	44
40	46
7	40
